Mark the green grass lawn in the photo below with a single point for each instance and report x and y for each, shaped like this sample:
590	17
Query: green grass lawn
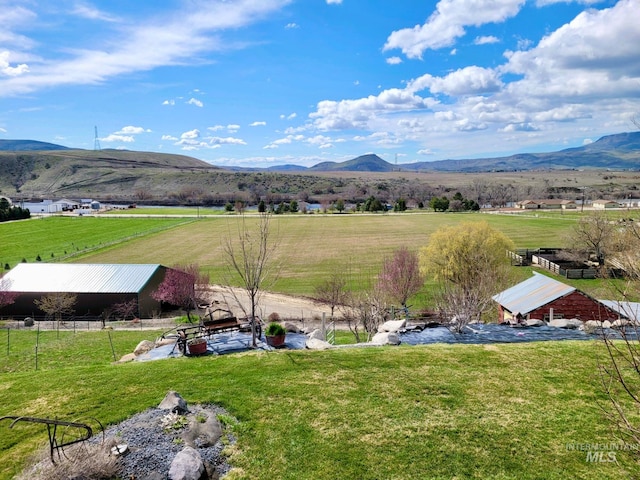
440	411
60	238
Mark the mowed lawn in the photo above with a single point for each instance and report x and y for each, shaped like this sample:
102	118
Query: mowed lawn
506	411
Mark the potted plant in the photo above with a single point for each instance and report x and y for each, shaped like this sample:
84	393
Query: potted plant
197	346
275	335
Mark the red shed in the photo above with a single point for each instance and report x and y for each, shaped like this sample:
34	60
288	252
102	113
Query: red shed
542	298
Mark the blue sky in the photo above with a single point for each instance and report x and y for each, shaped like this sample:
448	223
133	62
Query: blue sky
268	82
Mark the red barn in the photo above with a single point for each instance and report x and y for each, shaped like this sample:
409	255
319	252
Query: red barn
543	298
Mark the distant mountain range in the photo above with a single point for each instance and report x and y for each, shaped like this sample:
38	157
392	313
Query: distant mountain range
616	152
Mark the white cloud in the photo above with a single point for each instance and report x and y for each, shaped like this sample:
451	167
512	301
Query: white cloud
118	138
233	128
291	25
90	12
448	23
140	44
484	40
7	69
425	151
226	141
169	138
394	60
258	124
216	128
169	102
131	130
196	102
191	134
3	130
334	2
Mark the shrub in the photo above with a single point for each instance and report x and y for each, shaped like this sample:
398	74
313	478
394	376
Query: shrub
274	317
274	329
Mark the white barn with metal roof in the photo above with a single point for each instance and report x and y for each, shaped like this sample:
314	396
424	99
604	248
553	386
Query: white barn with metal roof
97	286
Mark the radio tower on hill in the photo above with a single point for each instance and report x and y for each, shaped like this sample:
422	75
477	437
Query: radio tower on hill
96	140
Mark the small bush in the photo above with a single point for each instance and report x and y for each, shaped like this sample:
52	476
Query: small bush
274	317
275	329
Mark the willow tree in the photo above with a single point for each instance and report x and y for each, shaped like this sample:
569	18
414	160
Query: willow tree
250	252
470	264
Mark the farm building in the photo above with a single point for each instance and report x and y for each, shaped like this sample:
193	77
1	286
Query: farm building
98	286
549	204
605	204
543	298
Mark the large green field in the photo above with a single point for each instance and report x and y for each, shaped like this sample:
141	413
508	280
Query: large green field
506	411
425	412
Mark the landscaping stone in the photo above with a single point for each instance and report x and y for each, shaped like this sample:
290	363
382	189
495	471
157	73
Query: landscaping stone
386	338
174	403
392	326
317	344
187	465
570	323
291	328
317	334
143	347
533	322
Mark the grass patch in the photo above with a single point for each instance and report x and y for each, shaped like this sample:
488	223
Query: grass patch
438	411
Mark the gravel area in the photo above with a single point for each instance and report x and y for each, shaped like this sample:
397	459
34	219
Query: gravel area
152	449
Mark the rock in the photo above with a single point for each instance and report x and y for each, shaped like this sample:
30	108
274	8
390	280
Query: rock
187	465
317	344
533	322
290	327
571	323
620	323
386	338
154	476
144	346
606	324
592	326
161	342
392	326
207	432
129	357
174	402
316	334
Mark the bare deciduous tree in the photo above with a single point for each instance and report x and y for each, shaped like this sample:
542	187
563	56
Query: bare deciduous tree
332	291
250	253
56	305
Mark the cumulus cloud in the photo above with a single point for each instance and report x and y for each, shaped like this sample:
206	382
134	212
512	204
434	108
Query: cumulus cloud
484	40
448	23
7	69
131	130
169	138
258	124
196	102
169	102
291	25
191	134
394	60
334	2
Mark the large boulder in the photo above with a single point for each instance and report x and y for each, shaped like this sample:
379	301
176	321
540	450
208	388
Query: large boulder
386	338
174	402
187	465
317	344
534	322
143	347
392	326
568	323
316	334
291	327
592	326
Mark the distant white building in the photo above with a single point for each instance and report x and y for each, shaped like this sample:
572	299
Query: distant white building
604	204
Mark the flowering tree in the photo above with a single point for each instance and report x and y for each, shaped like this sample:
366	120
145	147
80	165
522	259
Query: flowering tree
6	296
57	304
400	277
179	288
126	308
